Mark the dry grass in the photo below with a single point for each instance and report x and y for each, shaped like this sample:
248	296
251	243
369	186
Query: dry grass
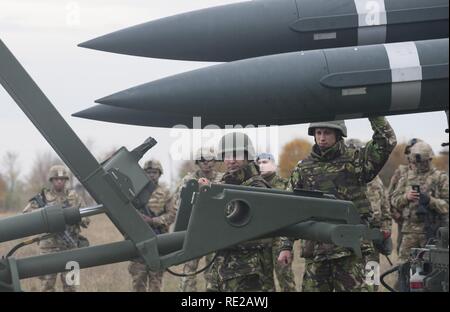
115	277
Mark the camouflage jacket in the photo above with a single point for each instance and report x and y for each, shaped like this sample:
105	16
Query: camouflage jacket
276	182
434	183
216	177
253	257
345	172
381	216
161	205
67	198
402	170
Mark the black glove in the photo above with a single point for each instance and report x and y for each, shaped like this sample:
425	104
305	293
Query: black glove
424	199
422	210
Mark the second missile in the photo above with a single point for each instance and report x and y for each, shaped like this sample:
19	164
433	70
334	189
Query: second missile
291	88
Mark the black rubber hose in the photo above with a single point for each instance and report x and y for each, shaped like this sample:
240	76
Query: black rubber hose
390	271
194	273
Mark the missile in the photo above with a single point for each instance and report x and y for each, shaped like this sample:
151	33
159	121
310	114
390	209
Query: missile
292	88
264	27
150	119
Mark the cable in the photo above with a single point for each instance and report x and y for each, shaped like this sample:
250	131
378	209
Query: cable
390	271
26	243
194	273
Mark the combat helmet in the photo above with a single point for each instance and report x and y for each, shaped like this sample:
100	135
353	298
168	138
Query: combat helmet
420	152
336	124
58	171
236	143
410	144
153	164
204	153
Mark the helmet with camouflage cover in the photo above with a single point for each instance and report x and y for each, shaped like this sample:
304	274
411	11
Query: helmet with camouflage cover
58	172
236	143
153	164
420	152
336	124
410	144
355	143
204	153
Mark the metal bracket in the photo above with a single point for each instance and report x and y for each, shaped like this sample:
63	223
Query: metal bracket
10	266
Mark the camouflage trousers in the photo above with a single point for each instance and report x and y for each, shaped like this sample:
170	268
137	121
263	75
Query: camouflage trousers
346	274
241	270
189	283
284	274
143	279
48	282
410	240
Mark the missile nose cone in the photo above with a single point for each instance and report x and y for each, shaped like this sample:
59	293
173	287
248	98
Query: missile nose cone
115	98
220	34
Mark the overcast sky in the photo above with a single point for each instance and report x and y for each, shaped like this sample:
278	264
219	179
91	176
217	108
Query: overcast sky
43	35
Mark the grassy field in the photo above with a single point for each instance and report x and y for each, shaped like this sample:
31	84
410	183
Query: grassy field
115	277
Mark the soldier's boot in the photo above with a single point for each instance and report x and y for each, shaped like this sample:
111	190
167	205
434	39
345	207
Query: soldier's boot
155	281
285	277
67	282
139	276
189	283
48	283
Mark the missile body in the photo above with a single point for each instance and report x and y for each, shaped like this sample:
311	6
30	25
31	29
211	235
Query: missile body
264	27
291	88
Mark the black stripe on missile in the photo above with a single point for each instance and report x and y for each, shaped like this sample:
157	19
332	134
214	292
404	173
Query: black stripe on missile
417	15
322	21
381	76
366	63
416	23
326	23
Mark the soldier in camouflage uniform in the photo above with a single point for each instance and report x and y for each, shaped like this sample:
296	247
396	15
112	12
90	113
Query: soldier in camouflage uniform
159	214
205	160
421	195
268	168
58	193
344	172
381	209
402	170
246	266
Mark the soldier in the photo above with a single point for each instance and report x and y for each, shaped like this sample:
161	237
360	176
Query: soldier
268	169
59	193
205	161
159	213
344	172
246	266
381	209
399	172
421	196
